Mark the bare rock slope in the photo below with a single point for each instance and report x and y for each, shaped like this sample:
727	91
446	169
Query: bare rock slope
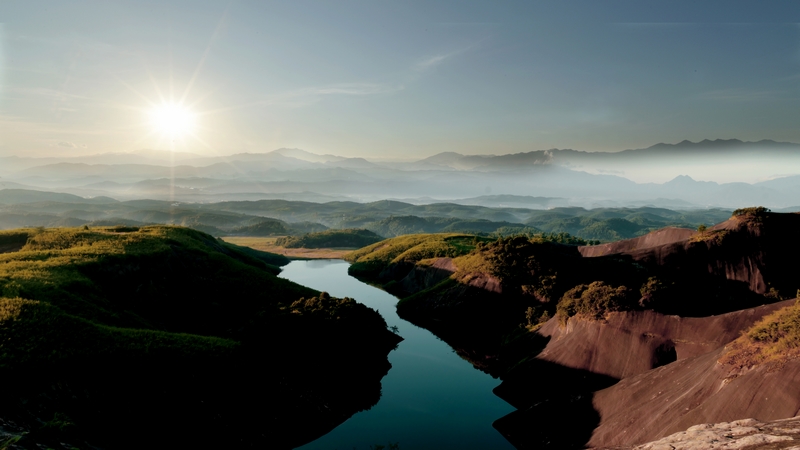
649	339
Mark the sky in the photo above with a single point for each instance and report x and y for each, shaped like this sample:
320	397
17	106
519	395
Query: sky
396	80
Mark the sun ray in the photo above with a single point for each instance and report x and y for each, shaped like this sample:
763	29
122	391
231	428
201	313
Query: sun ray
203	58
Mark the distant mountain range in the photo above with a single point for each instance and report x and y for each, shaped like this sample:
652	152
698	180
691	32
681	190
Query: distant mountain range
737	173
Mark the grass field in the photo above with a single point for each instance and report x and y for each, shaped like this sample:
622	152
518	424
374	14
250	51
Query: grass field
267	244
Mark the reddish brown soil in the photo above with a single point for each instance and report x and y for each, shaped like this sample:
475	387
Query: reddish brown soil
656	238
747	249
692	391
629	343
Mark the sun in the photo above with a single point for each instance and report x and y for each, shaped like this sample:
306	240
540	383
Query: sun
172	120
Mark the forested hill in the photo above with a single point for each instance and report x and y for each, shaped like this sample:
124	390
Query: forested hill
385	218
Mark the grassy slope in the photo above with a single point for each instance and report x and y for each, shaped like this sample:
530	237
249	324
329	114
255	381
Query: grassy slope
167	278
775	339
369	262
177	312
527	267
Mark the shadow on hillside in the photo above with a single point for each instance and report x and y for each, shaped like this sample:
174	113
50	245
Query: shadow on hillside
554	405
175	404
549	397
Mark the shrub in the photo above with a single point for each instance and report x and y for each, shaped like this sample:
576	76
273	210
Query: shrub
593	301
775	338
654	291
753	210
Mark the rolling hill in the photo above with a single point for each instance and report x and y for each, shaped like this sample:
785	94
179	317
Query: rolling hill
123	337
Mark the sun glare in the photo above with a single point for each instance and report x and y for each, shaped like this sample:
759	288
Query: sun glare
172	120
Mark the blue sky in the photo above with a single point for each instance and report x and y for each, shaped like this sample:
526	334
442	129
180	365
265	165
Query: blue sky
396	79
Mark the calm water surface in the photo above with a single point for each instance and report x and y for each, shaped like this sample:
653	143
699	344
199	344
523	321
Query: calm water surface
431	398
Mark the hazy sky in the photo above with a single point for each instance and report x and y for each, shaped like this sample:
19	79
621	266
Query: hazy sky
396	79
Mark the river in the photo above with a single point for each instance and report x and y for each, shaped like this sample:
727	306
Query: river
431	398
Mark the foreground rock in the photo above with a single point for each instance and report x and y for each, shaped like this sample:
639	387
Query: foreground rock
746	434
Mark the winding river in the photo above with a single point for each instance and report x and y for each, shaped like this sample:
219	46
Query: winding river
431	398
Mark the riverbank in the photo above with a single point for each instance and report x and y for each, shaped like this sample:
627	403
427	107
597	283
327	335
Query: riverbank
430	399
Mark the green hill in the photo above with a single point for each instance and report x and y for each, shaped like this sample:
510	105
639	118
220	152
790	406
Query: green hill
17	196
169	330
352	238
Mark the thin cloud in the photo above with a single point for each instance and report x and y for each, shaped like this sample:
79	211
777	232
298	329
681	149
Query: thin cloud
12	125
741	95
310	95
353	89
44	92
432	61
435	60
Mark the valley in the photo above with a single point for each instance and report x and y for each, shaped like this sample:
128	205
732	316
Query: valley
628	342
360	225
572	328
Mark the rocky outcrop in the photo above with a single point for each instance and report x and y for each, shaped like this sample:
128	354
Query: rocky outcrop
691	391
745	434
590	364
751	249
631	342
424	276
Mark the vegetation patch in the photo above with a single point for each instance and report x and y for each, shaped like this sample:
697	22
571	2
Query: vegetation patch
266	227
402	225
613	224
349	238
370	261
751	211
593	301
715	237
774	339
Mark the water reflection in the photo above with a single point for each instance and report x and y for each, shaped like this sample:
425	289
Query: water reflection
431	398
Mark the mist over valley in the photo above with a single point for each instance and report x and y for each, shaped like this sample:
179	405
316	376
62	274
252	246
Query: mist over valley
403	225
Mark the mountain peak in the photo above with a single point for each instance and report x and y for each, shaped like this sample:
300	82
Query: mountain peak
681	180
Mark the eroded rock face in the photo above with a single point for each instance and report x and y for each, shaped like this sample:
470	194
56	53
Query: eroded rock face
746	434
695	390
750	250
631	342
424	276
